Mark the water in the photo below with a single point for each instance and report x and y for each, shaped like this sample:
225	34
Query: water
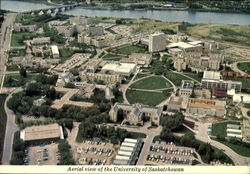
163	15
19	6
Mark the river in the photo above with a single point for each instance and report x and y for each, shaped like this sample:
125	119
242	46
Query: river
163	15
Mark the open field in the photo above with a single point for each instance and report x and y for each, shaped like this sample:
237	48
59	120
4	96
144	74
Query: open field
128	49
151	83
135	135
18	38
16	80
12	68
138	76
193	75
243	151
244	67
147	98
113	57
3	120
219	129
175	78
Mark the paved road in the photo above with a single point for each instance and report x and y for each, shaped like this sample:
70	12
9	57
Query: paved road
6	31
11	128
203	136
236	69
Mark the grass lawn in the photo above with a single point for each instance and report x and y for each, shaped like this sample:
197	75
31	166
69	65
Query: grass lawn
153	82
244	67
12	68
243	151
18	38
65	53
136	135
176	78
193	75
219	129
112	57
138	76
128	49
147	98
247	105
16	80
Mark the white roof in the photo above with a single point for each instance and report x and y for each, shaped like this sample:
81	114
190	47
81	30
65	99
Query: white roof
211	75
128	144
119	157
234	135
240	97
125	148
129	140
54	49
234	130
182	45
120	68
124	153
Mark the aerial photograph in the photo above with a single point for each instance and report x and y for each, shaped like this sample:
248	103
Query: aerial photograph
125	83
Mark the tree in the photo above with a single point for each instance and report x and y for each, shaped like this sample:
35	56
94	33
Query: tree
33	89
51	93
188	139
23	72
69	85
166	135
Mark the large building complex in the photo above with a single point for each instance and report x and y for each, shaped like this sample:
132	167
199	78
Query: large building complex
213	79
42	133
206	107
125	69
157	42
139	58
187	87
134	113
129	152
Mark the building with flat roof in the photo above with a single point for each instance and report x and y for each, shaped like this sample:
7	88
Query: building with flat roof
157	42
42	133
41	40
133	113
124	69
206	107
177	104
234	130
55	51
187	87
213	79
140	59
184	46
24	28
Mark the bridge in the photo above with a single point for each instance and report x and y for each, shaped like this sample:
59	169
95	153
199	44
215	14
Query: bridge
56	9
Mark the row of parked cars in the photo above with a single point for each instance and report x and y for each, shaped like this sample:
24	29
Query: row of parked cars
172	150
97	151
91	161
169	160
94	142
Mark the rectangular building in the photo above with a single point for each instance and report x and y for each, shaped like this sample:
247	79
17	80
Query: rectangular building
42	133
157	42
55	51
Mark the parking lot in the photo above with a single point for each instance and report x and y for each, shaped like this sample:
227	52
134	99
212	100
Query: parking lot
43	155
167	153
95	153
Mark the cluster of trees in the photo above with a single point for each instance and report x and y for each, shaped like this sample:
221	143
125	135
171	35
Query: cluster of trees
53	34
161	67
18	153
89	130
66	154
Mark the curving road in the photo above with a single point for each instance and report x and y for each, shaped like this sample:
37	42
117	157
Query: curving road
11	128
235	68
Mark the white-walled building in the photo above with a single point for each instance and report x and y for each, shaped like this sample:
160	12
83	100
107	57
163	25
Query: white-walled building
157	42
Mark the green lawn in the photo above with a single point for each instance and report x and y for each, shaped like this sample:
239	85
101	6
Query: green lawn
16	80
147	98
128	49
136	135
12	68
176	78
244	67
219	129
18	38
112	57
247	105
138	76
65	53
243	151
194	76
153	82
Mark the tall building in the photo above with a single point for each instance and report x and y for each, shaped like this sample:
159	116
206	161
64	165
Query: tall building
157	42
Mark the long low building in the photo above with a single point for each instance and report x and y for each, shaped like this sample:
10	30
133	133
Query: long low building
42	133
129	152
125	69
206	107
